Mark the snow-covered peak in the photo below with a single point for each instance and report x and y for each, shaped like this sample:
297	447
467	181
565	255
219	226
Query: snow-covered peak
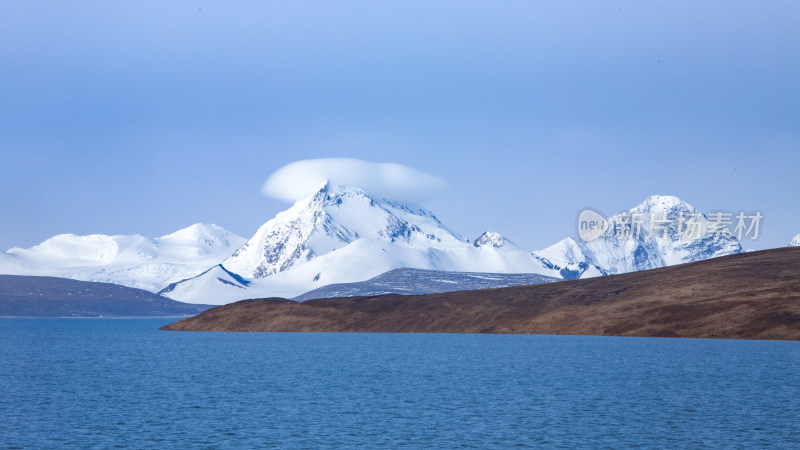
205	289
562	252
490	238
344	234
661	231
795	242
330	219
662	203
332	195
568	258
203	235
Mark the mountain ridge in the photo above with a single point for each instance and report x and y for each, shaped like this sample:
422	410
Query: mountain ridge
341	234
128	260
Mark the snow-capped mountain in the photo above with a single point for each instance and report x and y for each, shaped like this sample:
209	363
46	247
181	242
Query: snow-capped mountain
795	242
129	260
496	240
662	231
567	257
207	281
342	234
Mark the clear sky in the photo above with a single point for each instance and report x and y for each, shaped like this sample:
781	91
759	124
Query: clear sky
146	117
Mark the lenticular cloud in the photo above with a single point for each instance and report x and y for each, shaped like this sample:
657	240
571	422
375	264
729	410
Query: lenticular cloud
388	180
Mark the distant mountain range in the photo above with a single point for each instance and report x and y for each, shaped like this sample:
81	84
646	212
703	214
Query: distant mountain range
30	296
128	260
343	234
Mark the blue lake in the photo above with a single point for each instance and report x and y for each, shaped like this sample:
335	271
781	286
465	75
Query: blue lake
122	382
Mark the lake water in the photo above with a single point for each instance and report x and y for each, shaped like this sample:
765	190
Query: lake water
121	382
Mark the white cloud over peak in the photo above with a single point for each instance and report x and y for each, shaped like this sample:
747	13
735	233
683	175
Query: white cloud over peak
389	180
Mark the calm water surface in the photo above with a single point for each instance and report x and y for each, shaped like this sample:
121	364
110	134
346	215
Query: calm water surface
121	382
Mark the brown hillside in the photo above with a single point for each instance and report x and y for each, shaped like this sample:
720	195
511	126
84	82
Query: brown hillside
747	296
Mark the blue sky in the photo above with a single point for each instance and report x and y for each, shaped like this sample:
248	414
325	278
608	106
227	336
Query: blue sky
145	117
